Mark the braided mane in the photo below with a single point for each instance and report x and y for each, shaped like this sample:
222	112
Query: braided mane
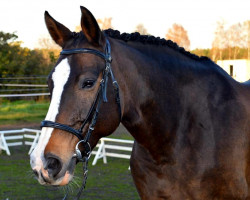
148	39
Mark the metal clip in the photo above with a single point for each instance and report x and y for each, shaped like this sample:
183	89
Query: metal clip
78	153
109	59
115	85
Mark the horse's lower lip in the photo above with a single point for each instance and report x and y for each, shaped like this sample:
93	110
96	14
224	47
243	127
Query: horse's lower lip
44	179
65	179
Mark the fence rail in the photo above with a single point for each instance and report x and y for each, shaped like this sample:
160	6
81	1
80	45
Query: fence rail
23	77
117	145
22	85
23	82
25	95
15	136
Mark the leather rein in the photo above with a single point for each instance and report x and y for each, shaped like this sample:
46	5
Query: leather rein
83	156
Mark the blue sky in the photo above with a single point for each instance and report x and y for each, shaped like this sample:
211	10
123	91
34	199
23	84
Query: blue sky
198	17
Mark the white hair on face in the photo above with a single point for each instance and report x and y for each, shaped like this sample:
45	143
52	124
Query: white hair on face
60	77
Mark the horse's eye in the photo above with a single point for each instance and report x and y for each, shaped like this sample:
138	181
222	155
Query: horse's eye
88	84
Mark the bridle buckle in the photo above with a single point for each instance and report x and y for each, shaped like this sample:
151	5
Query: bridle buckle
109	59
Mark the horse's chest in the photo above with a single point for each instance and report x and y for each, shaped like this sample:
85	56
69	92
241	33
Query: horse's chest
157	185
183	182
160	182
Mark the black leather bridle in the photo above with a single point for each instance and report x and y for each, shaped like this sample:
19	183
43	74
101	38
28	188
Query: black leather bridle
101	94
92	115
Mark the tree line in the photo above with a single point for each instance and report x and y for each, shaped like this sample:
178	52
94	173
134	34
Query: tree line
229	43
18	61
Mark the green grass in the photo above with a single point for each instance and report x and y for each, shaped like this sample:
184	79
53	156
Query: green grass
105	181
110	181
18	112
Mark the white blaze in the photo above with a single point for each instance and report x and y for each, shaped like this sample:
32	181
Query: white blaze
60	77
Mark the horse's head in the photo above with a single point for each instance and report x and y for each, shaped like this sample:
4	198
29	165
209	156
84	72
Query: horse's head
77	86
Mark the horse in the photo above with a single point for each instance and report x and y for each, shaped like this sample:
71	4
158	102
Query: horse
189	118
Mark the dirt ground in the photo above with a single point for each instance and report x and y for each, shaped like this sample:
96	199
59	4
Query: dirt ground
19	126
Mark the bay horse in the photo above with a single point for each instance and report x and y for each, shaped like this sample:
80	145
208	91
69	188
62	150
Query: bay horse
189	118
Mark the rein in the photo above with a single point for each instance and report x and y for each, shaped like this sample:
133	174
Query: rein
93	111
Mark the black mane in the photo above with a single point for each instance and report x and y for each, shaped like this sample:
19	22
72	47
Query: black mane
148	39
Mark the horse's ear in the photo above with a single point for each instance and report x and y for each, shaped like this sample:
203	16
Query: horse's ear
58	32
90	28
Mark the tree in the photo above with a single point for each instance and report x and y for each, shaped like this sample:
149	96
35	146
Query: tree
8	51
16	60
202	52
47	43
49	49
220	40
246	35
141	29
7	38
231	43
179	35
104	24
234	37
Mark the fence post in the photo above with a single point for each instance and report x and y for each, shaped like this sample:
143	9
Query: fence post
104	152
99	153
4	144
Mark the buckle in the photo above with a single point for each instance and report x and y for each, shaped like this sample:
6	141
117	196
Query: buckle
108	58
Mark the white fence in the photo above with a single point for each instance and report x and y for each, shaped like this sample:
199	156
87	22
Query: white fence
16	137
24	95
117	151
107	147
18	91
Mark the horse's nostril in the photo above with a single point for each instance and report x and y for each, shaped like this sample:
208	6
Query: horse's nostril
35	172
54	165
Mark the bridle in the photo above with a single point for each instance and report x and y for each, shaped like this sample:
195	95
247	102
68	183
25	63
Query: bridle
83	156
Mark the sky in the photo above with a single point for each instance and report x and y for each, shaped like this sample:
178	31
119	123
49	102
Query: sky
198	17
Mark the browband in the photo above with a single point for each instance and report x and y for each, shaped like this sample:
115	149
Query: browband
107	58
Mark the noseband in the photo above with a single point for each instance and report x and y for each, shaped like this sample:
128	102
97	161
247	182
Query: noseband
84	155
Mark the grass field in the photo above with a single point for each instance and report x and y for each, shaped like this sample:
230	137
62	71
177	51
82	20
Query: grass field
105	181
18	112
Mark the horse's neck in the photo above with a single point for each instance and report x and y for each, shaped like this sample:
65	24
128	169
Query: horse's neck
165	94
146	93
